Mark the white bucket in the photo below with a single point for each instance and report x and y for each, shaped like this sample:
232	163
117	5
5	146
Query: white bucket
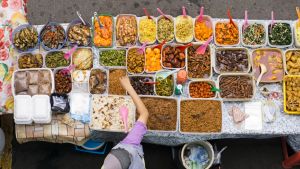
204	144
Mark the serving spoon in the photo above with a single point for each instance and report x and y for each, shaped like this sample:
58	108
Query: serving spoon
263	70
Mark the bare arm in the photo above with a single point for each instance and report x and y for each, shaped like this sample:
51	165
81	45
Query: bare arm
141	108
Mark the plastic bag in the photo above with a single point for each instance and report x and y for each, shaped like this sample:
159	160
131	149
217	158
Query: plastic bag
33	77
60	103
33	90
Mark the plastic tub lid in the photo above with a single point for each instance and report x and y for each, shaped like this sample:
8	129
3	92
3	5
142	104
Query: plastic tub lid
41	107
22	108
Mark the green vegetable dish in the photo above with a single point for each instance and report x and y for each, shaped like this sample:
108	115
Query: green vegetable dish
165	29
280	34
113	57
254	34
164	87
56	59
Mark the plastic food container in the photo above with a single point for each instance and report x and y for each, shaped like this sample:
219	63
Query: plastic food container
41	109
206	81
96	107
177	39
205	18
174	83
281	46
80	106
211	62
172	19
197	133
62	50
33	53
52	24
33	69
136	47
23	109
285	61
112	27
297	43
18	29
144	76
100	64
152	47
229	48
251	22
226	21
81	61
238	99
172	45
285	97
178	110
55	85
153	18
107	80
75	22
253	64
136	38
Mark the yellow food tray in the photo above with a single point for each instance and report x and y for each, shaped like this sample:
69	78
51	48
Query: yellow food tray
284	96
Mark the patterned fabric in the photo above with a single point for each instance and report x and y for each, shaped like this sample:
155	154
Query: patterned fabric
59	130
12	14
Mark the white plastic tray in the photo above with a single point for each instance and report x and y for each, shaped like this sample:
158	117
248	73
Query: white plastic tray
292	34
251	22
176	38
135	47
231	48
155	20
238	99
226	21
172	19
32	69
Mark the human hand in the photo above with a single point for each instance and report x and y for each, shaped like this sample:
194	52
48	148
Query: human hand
125	82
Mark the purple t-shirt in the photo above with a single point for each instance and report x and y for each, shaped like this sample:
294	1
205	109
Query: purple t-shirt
135	136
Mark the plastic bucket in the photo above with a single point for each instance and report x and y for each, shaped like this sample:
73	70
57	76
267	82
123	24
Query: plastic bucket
206	145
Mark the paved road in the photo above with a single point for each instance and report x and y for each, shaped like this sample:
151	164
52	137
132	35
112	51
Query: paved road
65	10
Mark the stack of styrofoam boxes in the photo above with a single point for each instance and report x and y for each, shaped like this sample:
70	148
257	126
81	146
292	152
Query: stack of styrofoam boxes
32	109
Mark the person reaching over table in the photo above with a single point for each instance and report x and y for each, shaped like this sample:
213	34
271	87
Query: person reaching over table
128	154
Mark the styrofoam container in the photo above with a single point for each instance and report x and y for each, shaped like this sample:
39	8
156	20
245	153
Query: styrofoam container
231	48
196	133
211	62
173	45
178	109
207	81
238	99
152	47
176	38
251	22
135	47
226	21
32	69
157	19
107	80
292	34
174	83
33	52
100	64
284	60
136	38
61	50
22	109
205	18
297	43
267	49
139	19
41	109
93	31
